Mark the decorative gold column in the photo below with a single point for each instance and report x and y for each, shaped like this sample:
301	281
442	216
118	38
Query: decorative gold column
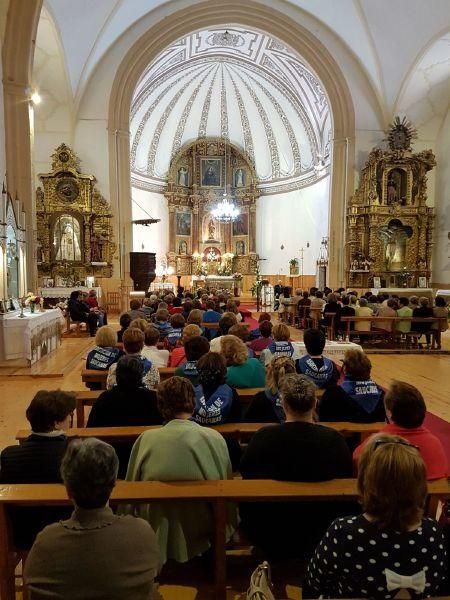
195	223
171	228
252	228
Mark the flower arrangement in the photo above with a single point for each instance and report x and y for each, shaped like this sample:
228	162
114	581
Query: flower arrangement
33	300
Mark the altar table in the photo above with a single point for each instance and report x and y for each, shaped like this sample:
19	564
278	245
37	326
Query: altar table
64	292
23	341
333	350
408	292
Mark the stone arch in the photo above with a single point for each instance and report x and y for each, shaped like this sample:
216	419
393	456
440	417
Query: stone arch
258	16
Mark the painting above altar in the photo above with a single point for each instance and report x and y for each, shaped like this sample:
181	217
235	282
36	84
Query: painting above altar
202	175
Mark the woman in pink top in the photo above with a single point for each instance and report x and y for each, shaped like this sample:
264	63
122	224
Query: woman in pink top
405	409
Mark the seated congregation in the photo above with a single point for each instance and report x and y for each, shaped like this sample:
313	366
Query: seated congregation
369	549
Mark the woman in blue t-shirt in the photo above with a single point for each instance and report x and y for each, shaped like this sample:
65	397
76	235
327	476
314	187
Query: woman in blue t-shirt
104	354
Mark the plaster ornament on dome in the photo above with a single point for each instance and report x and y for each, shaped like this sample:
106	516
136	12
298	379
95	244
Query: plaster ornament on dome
240	85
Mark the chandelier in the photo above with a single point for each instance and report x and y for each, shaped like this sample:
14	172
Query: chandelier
225	211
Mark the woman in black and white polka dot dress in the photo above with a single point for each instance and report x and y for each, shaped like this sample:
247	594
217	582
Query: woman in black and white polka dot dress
389	547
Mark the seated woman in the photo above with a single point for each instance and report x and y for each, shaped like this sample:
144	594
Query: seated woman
196	318
79	312
161	322
133	343
195	348
124	323
92	302
104	354
127	403
241	331
331	307
175	332
180	450
297	450
440	310
141	324
256	333
215	401
242	371
226	322
321	370
424	311
38	459
357	399
391	546
265	337
178	355
266	406
159	357
63	563
280	346
303	308
405	411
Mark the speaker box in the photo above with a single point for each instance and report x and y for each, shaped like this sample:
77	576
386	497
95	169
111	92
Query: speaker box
142	269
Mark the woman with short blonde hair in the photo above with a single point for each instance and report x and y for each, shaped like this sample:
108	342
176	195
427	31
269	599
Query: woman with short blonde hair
280	346
141	324
195	317
391	546
242	371
266	406
104	354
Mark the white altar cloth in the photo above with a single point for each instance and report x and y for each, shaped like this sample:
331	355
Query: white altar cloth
428	292
334	350
64	292
26	340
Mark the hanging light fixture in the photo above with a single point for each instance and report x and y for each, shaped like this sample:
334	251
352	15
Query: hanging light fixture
225	211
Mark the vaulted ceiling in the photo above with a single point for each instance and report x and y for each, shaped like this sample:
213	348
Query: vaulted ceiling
239	85
388	38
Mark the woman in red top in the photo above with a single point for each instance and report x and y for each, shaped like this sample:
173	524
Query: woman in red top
178	356
405	410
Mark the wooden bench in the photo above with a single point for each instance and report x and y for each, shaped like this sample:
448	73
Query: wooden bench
218	493
87	398
241	431
393	332
97	376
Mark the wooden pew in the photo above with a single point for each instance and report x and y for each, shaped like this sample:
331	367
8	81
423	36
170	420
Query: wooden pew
218	493
97	376
87	398
241	431
390	334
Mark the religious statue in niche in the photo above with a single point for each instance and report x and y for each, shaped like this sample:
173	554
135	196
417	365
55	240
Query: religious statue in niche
239	178
183	220
391	192
96	248
394	236
211	230
240	248
182	247
396	188
211	172
67	239
240	225
183	177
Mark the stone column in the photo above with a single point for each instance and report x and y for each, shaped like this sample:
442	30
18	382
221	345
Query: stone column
195	223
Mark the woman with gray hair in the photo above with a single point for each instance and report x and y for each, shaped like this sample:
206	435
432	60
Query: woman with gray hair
94	554
296	450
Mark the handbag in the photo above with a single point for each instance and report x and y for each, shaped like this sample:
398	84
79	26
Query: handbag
261	583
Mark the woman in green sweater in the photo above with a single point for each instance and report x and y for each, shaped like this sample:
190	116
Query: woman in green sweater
242	371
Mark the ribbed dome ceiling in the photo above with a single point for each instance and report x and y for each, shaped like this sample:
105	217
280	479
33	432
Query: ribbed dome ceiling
240	85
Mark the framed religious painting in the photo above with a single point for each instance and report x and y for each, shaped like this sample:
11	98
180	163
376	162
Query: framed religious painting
183	223
211	172
377	282
422	282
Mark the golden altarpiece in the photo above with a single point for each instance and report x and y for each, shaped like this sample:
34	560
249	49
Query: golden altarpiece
389	225
198	178
74	229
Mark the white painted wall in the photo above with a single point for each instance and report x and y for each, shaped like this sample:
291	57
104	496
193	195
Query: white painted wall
53	116
441	259
292	220
154	238
2	130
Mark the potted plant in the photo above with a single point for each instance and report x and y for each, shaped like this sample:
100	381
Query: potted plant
293	266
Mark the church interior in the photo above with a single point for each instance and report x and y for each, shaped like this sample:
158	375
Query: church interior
284	163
